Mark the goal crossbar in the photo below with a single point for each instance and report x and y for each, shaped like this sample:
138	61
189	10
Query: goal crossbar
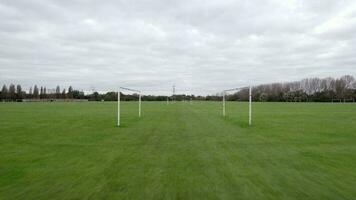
119	101
249	99
128	89
235	89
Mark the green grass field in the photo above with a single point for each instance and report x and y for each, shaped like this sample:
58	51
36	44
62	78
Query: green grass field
179	151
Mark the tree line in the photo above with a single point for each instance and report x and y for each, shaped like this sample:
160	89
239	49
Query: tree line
35	93
307	90
16	93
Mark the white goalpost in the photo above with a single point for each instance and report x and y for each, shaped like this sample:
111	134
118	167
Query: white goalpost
118	103
249	99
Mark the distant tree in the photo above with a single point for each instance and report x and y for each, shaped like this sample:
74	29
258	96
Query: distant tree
348	90
41	93
110	96
12	92
35	92
348	80
81	95
353	85
19	92
340	87
64	95
263	97
96	96
58	92
44	93
70	92
78	94
4	92
30	93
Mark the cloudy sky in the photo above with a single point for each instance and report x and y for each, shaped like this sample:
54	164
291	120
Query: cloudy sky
200	46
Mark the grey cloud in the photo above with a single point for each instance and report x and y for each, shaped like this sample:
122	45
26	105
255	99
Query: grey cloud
200	46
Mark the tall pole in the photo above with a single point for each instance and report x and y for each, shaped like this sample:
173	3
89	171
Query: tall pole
250	107
118	108
139	105
224	106
167	100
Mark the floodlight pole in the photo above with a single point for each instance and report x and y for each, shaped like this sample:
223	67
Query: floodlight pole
250	107
118	108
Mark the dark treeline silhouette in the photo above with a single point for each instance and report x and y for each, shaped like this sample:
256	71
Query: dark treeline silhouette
36	93
112	96
342	89
329	89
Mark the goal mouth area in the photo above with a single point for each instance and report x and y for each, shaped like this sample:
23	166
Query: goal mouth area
135	92
249	92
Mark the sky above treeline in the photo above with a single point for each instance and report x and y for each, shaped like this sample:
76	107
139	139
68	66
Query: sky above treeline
201	47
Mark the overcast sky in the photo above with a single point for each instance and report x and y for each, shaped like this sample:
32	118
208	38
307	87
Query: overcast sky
200	46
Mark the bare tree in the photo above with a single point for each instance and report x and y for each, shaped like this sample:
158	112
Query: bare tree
12	92
58	92
4	92
35	92
19	92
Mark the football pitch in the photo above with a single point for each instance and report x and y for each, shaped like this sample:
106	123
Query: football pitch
177	151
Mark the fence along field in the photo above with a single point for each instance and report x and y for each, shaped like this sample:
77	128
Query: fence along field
75	150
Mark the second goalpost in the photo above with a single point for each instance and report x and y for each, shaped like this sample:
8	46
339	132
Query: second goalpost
119	101
249	105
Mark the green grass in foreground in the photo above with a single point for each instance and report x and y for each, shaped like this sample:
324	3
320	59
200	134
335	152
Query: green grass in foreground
179	151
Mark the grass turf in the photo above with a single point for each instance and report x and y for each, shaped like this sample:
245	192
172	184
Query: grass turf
177	151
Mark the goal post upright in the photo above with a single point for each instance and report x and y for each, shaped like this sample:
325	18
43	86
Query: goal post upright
224	104
250	107
118	108
139	105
